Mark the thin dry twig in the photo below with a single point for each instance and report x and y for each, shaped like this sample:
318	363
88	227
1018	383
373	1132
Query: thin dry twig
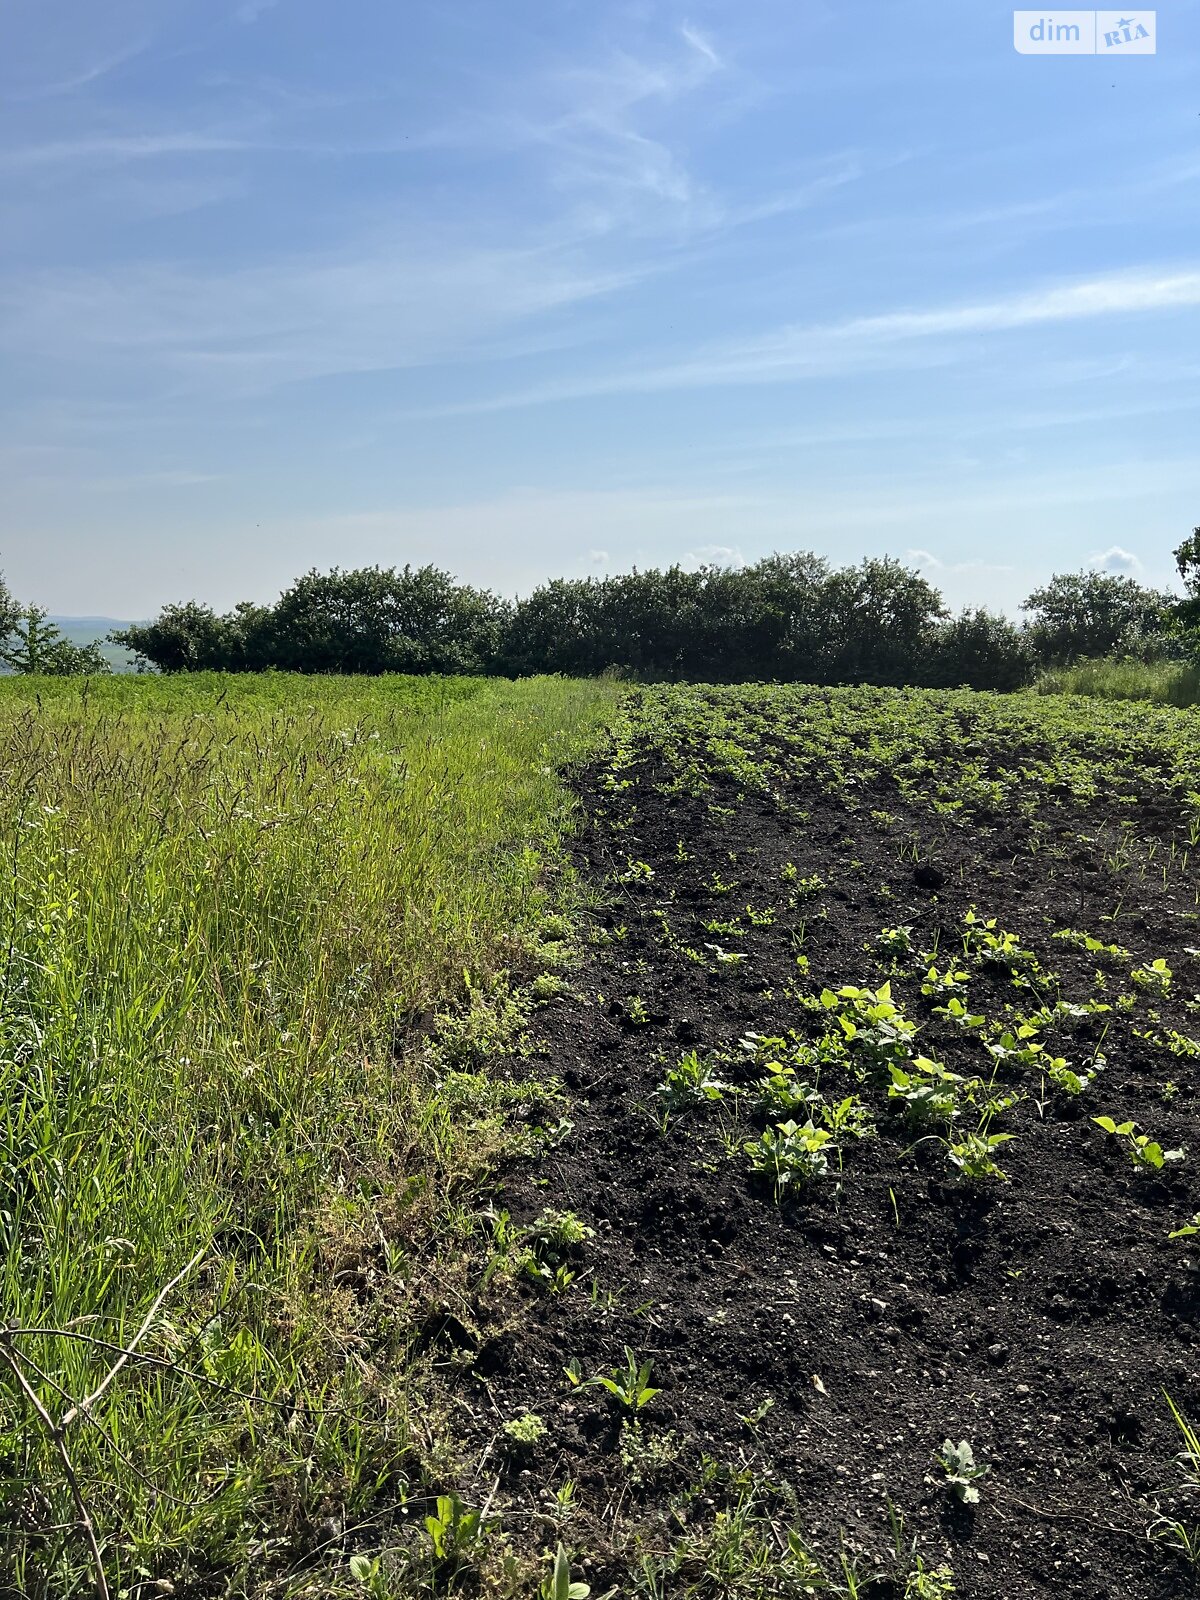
143	1359
16	1361
1073	1516
130	1350
120	1454
55	1432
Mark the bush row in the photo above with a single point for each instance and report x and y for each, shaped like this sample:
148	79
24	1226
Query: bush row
786	618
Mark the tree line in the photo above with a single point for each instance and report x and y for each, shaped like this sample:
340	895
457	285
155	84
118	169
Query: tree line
791	618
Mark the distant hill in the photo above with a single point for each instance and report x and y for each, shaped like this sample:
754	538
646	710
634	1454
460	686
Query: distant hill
92	630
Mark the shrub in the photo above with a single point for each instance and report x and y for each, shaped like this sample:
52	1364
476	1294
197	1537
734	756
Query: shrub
1079	614
980	650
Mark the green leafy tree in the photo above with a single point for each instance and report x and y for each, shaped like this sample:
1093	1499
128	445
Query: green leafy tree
557	629
1187	562
32	644
777	610
371	620
1185	613
380	619
727	624
183	638
1082	614
876	619
979	649
10	611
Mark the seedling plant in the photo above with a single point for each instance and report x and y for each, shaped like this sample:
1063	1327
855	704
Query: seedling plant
629	1386
963	1473
791	1155
1145	1153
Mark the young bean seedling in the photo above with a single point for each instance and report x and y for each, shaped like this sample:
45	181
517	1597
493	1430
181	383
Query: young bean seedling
925	1089
973	1156
1145	1153
896	942
956	1012
789	1155
849	1118
1155	977
782	1095
947	984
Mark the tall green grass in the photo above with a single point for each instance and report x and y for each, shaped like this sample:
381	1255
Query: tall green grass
228	909
1171	683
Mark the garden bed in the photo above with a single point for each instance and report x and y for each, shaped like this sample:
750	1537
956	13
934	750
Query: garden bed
949	1251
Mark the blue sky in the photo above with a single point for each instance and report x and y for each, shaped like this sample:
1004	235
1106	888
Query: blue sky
527	289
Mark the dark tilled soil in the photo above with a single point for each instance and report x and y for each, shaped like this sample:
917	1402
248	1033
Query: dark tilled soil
1041	1319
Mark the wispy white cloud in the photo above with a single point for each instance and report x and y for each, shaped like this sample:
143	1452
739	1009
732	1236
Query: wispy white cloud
383	301
73	468
103	148
796	350
926	561
954	426
258	137
713	555
153	192
84	77
76	50
1119	294
624	206
405	297
592	132
168	478
606	133
587	125
701	44
1117	559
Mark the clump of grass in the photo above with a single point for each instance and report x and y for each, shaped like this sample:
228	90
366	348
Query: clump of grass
1171	683
223	903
